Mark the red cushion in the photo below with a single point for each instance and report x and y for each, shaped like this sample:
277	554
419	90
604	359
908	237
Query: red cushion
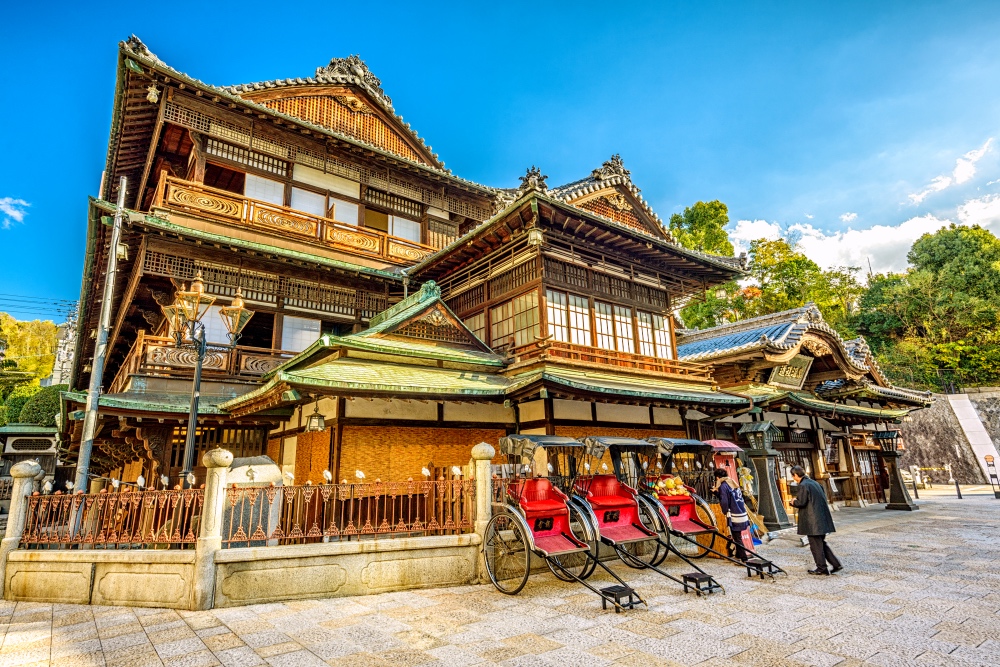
550	506
605	485
609	502
539	496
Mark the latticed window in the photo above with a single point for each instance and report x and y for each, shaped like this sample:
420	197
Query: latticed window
654	335
477	324
604	325
568	317
558	315
515	322
623	329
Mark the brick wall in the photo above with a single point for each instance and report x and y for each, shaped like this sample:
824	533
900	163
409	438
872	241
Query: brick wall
274	450
312	456
395	453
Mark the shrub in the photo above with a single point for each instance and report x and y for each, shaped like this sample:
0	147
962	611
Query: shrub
16	400
43	407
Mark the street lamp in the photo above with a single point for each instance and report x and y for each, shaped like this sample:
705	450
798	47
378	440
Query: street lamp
184	316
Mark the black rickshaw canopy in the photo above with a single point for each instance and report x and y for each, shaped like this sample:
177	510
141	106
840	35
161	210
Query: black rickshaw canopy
524	446
668	446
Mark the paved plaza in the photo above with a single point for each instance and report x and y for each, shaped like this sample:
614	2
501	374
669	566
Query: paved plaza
919	588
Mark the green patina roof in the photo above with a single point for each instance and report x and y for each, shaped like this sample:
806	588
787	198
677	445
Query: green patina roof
209	237
371	376
630	385
27	429
207	405
766	394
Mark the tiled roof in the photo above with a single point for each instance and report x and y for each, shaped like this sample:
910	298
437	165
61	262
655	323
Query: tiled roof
778	331
840	388
135	49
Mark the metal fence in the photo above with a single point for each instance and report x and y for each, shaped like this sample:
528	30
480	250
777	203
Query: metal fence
272	515
129	519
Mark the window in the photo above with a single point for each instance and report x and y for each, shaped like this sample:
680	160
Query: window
264	189
569	317
654	335
343	211
309	202
298	333
404	229
623	329
215	328
604	324
477	325
558	315
377	220
515	322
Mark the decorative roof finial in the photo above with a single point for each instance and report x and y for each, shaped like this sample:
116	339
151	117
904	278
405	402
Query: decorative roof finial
354	67
135	45
533	180
612	167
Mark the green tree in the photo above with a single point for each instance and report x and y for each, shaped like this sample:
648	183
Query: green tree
42	407
31	345
702	227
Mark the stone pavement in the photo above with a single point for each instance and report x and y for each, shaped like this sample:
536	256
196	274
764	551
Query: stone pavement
920	588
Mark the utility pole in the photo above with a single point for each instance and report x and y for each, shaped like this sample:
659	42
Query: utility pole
100	349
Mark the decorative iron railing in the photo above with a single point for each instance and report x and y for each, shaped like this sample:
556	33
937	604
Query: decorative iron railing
597	356
275	515
231	208
159	355
128	519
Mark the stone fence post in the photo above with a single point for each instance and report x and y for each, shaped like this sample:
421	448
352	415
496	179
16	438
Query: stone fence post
217	461
482	454
24	474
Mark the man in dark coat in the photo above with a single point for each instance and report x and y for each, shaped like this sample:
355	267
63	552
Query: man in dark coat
815	521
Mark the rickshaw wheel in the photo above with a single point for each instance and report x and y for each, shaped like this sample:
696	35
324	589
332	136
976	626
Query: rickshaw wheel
506	554
577	563
705	540
647	552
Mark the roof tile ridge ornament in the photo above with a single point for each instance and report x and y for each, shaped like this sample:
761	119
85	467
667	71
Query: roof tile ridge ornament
611	168
136	46
533	181
354	67
427	292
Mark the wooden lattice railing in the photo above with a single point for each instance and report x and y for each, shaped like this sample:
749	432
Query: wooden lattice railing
231	208
159	355
596	356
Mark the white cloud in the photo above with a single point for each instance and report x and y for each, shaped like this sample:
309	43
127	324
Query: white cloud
965	169
810	216
984	212
885	246
11	211
849	217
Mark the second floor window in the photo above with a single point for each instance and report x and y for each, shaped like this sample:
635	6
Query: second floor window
568	317
264	189
654	335
515	322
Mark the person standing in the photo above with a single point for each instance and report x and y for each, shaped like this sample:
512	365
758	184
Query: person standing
815	521
733	506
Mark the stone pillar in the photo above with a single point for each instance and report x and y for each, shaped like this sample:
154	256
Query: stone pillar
765	463
217	461
899	497
482	454
24	474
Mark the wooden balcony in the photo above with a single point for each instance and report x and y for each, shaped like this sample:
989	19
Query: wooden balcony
610	359
233	209
158	355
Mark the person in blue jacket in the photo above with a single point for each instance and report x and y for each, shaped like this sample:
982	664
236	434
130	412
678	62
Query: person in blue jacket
733	506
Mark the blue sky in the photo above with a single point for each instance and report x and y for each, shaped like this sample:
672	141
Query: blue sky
855	125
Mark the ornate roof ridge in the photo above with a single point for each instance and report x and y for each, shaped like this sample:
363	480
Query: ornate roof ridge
135	47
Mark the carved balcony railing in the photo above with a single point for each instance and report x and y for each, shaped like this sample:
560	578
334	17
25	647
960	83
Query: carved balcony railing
158	355
234	209
593	356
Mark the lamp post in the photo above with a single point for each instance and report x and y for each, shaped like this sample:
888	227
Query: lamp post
899	498
764	458
184	316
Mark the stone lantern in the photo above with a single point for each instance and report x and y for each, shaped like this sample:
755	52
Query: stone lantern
764	457
898	496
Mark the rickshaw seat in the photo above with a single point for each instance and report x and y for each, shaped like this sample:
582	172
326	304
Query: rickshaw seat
538	496
606	492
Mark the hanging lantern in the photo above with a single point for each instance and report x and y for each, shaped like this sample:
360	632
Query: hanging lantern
535	237
315	423
235	316
195	302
